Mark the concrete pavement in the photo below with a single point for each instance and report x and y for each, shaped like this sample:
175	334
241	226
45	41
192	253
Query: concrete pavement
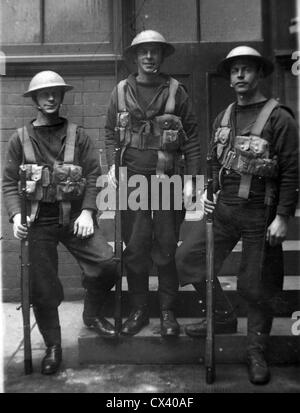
76	378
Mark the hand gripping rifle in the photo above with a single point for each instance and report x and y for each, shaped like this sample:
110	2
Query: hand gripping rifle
25	279
210	294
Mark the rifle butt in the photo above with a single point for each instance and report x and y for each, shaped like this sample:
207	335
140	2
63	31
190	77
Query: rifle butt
27	350
118	305
28	367
118	286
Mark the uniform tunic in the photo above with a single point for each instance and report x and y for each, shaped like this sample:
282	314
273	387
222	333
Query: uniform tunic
94	255
260	276
151	237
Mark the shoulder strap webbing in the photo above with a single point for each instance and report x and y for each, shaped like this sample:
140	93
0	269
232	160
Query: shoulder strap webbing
70	143
226	117
27	145
121	95
65	206
170	104
263	117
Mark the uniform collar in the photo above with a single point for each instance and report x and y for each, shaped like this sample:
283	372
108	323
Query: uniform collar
60	129
251	105
131	80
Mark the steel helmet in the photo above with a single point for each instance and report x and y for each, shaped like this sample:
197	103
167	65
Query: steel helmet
247	52
149	36
45	79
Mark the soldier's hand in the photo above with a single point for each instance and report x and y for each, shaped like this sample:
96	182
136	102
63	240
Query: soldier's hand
84	224
188	194
112	177
277	230
20	231
209	206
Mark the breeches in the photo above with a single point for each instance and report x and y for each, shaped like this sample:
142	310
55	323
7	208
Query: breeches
151	238
261	272
94	256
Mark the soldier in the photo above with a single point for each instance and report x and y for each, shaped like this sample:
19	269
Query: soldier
149	102
255	172
62	168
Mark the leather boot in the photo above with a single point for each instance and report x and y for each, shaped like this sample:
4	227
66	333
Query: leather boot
138	318
222	326
225	317
169	326
52	360
258	369
91	318
259	328
48	323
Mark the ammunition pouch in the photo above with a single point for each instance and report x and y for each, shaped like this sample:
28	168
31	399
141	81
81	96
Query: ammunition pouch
222	142
247	155
34	186
170	130
254	144
247	163
123	126
67	179
222	135
65	184
164	133
70	191
250	155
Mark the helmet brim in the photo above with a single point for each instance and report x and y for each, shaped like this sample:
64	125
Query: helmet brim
130	51
224	66
29	93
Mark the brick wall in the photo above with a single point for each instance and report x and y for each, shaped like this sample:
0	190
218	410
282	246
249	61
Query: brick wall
85	105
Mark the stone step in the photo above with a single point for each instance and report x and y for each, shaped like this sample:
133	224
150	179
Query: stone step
107	224
228	283
189	305
148	347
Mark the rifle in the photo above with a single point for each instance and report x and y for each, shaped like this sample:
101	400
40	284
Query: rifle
25	279
210	294
118	231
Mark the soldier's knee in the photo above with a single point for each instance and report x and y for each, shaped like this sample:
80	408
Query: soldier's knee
182	256
251	295
47	301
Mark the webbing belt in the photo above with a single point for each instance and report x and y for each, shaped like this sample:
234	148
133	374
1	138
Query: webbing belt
30	158
65	206
164	158
256	130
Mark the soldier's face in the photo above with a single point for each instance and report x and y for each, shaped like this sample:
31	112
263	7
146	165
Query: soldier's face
149	57
49	99
245	76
